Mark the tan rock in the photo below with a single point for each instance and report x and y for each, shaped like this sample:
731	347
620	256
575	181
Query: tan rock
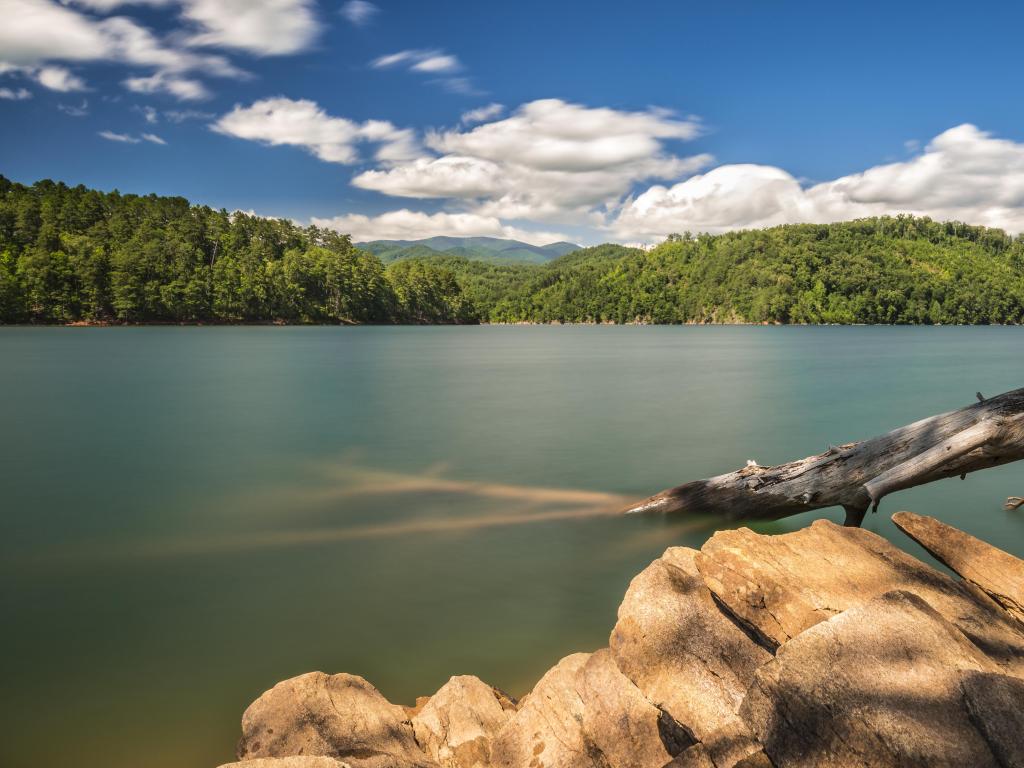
781	585
725	748
997	573
878	685
585	714
296	761
340	716
680	649
996	706
456	725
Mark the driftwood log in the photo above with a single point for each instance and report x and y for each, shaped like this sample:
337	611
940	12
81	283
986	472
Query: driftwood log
857	476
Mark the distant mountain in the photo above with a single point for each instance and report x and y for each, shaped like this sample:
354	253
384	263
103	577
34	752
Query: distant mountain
474	248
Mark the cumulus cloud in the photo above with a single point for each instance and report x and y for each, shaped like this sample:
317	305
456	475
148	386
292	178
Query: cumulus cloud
184	88
302	123
11	94
37	33
482	114
266	28
412	225
59	79
549	160
431	61
964	173
359	12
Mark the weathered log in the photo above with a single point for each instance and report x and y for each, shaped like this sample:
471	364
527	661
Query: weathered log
859	475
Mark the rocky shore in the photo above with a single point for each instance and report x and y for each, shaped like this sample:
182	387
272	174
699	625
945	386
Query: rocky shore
828	646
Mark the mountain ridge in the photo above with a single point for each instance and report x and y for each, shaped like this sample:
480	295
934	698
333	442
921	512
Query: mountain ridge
473	248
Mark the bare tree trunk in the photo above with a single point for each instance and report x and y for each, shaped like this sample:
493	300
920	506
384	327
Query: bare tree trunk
859	475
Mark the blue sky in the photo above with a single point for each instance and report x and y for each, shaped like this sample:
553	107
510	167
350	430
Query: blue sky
617	121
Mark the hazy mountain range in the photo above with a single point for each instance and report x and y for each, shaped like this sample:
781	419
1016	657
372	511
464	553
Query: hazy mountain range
476	248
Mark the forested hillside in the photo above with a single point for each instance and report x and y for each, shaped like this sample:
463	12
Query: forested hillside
74	254
78	255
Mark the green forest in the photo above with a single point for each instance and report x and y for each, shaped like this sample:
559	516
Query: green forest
76	255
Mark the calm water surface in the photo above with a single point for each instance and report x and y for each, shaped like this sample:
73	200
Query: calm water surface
189	515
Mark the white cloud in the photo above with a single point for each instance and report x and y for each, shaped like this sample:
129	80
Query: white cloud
106	6
413	225
302	123
419	60
122	138
184	88
439	63
153	138
11	94
482	114
964	173
150	114
36	33
359	12
59	79
550	160
266	28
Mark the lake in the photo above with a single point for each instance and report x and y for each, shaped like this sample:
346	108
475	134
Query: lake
189	515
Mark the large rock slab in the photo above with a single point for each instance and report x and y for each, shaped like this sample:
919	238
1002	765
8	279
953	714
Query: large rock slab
680	649
996	706
585	714
877	685
781	585
998	574
340	716
456	725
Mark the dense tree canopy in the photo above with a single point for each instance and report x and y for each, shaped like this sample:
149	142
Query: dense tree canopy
74	254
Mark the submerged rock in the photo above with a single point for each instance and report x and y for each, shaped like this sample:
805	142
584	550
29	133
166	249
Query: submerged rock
876	685
681	651
456	725
779	586
998	574
340	716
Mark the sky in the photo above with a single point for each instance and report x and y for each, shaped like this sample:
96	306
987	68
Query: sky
585	121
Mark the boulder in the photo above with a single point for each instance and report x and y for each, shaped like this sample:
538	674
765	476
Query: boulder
456	725
877	685
996	706
781	585
998	574
585	714
340	716
296	761
686	655
725	748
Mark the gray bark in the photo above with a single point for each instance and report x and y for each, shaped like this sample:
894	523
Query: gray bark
859	475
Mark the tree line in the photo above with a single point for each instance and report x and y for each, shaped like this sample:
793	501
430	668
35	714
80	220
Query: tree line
71	254
78	255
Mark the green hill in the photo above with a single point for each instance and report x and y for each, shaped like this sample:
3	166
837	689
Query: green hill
473	248
72	254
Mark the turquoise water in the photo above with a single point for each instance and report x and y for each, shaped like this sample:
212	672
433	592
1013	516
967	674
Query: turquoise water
188	515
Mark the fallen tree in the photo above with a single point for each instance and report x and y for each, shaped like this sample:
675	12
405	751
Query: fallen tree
857	476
